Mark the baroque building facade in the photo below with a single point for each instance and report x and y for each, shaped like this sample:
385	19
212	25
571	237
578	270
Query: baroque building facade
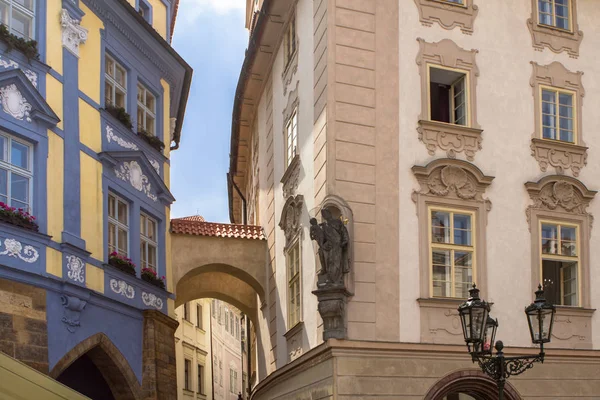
93	97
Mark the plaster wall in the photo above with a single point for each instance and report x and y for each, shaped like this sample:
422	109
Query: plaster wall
227	350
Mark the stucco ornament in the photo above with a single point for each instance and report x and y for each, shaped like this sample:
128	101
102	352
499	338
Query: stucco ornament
76	268
73	307
132	172
560	194
14	248
111	136
290	218
152	300
451	178
10	64
122	288
155	165
14	104
73	34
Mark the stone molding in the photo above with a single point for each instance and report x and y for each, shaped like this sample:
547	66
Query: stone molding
73	34
448	137
291	177
471	381
440	322
448	15
560	155
293	338
290	221
290	70
557	40
572	328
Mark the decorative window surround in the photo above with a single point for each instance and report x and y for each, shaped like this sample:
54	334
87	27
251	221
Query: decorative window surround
111	136
448	15
290	221
73	34
457	185
435	135
291	108
560	155
291	177
7	63
557	40
440	322
564	199
290	70
293	338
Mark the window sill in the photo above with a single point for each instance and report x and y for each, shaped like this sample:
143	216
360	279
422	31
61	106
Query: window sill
200	329
560	155
294	330
556	39
450	138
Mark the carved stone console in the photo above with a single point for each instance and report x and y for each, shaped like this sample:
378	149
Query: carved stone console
332	308
450	138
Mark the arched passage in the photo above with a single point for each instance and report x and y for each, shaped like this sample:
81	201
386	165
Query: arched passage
97	354
472	383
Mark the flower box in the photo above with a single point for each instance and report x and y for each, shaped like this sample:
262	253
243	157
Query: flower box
152	140
122	263
120	114
18	217
149	275
27	47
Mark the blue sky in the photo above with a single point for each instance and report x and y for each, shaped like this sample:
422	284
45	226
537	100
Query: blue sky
210	36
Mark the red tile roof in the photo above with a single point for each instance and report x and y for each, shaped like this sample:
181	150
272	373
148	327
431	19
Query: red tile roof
197	226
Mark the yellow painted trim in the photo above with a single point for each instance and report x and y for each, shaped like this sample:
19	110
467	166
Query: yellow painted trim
557	90
171	308
467	78
94	278
452	246
54	262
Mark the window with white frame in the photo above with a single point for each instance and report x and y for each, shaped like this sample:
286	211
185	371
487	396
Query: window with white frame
555	13
452	251
289	42
146	110
294	298
148	241
18	16
118	225
560	262
291	137
448	101
558	114
16	172
115	83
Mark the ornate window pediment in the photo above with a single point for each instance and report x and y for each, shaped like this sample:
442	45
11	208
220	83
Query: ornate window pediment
291	217
134	168
21	100
448	14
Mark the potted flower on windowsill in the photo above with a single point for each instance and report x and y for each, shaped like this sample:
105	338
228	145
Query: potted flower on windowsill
152	140
18	217
27	47
120	114
122	263
149	275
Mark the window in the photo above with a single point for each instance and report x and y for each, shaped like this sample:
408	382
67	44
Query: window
221	373
291	136
237	327
115	83
118	225
448	96
145	11
293	267
452	252
215	364
558	120
18	16
148	244
199	320
289	42
555	13
201	379
186	311
231	387
227	320
16	173
187	375
146	110
560	262
461	2
231	330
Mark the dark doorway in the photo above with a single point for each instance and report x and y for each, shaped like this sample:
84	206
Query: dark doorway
84	377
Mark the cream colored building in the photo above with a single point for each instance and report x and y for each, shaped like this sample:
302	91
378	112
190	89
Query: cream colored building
227	350
457	139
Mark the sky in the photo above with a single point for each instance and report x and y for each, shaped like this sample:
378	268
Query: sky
210	35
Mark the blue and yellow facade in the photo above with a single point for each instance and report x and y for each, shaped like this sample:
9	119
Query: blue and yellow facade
63	308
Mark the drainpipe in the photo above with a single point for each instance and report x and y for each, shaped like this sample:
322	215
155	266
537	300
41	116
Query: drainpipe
244	203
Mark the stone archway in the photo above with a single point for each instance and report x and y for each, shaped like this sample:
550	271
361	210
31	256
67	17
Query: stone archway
111	363
470	382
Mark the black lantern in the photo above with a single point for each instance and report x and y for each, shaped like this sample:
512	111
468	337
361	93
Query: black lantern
489	337
473	316
540	317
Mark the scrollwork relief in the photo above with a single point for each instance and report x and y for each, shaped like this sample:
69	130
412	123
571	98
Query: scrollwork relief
14	103
76	269
122	288
448	15
151	300
10	64
14	248
73	34
132	172
290	221
111	136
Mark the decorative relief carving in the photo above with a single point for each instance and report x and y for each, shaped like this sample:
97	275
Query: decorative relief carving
152	300
155	165
450	138
132	172
14	104
172	125
440	321
290	218
76	269
448	15
111	136
10	64
290	70
73	307
14	248
73	34
560	155
557	40
122	288
291	177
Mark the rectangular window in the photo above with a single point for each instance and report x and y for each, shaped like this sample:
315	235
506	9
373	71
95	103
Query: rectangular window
293	267
187	383
18	16
213	306
461	2
146	110
16	173
289	42
148	241
237	328
145	11
558	119
118	225
291	137
199	320
452	252
227	320
560	263
231	330
448	96
115	83
201	379
186	311
221	373
555	13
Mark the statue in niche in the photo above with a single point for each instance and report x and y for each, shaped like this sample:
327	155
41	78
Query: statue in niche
332	238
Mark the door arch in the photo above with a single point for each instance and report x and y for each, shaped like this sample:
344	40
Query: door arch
470	382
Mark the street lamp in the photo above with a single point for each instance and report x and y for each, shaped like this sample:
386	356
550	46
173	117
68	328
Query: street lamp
479	330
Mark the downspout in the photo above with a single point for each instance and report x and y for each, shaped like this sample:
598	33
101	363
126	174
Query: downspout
212	355
244	203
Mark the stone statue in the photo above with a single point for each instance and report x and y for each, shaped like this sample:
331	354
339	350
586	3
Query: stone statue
332	238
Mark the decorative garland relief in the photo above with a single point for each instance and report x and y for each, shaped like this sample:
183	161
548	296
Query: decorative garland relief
152	300
76	268
132	172
122	288
111	136
14	248
14	104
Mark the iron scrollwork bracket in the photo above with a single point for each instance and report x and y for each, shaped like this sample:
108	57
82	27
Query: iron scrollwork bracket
500	368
